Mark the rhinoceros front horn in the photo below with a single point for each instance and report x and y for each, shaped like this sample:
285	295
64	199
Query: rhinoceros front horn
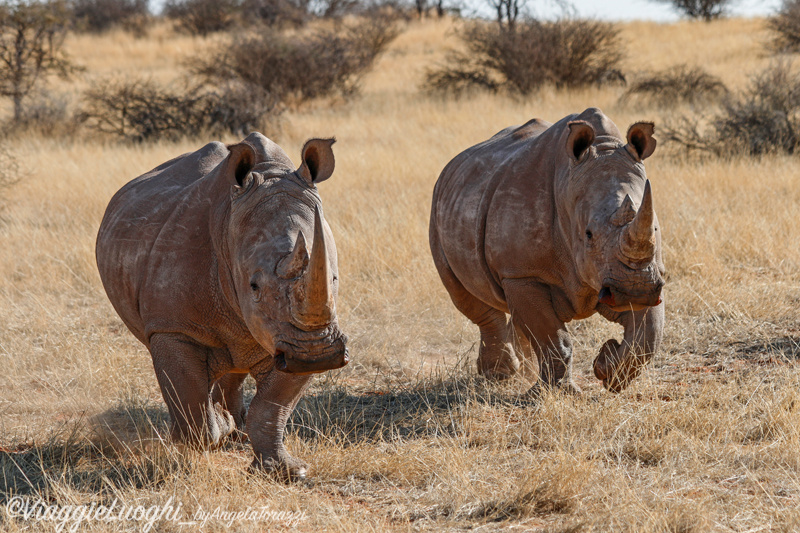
314	303
638	240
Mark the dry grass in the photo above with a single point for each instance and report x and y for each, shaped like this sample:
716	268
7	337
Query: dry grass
407	437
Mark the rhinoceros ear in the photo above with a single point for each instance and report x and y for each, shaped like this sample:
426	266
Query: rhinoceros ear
641	143
580	139
318	161
240	162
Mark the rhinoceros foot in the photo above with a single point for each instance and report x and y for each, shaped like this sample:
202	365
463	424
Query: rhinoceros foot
284	467
210	435
497	361
610	367
566	386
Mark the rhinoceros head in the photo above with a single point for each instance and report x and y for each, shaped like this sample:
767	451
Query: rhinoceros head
282	256
614	230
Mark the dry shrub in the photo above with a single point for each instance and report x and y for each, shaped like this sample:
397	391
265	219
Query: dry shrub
523	57
785	25
142	111
45	113
10	174
302	67
202	17
677	84
763	119
101	15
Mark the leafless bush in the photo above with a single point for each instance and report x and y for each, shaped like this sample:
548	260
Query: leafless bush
142	111
304	66
239	108
763	119
202	17
677	84
785	25
101	15
522	58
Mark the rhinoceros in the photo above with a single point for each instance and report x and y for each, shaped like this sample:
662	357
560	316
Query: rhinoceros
221	263
551	223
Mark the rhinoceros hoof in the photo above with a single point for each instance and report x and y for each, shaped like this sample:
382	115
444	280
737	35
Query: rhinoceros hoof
564	387
286	469
499	371
570	387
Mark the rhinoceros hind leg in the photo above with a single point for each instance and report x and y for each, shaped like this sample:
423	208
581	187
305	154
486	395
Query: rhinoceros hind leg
534	316
496	358
229	393
276	396
180	366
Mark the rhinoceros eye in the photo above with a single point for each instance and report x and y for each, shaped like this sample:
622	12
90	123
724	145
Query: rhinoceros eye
589	234
256	287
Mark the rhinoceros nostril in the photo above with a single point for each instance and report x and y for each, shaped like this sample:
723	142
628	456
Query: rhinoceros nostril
280	361
606	297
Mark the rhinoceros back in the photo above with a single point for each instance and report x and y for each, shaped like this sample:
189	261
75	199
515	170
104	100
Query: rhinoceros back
134	220
462	199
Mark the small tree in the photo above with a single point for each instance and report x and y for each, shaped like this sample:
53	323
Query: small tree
700	9
507	11
31	40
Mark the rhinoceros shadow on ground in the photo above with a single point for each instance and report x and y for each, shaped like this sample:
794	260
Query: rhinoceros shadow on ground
786	347
123	447
426	408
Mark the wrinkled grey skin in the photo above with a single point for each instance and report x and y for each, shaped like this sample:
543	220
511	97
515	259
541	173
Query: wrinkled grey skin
220	262
551	223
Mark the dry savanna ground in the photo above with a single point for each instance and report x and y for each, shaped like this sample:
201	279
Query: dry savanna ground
407	437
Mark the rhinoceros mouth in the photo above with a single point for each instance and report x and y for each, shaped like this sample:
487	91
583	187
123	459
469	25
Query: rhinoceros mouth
619	301
298	357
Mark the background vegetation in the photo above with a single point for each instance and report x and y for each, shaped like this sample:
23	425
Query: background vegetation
407	437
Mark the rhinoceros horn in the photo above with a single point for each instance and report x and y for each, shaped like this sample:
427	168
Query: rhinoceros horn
295	262
314	303
638	240
625	214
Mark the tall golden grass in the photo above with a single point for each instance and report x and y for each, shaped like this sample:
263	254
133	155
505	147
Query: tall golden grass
407	437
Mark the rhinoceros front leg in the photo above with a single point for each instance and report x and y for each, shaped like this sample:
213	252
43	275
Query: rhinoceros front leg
180	365
533	315
619	364
229	392
277	394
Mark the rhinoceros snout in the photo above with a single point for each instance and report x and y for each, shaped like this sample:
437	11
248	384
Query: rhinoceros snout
621	300
292	359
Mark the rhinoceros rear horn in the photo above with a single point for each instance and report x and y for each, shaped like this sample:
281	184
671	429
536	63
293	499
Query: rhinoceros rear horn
318	161
580	138
294	263
641	143
625	213
240	162
314	297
